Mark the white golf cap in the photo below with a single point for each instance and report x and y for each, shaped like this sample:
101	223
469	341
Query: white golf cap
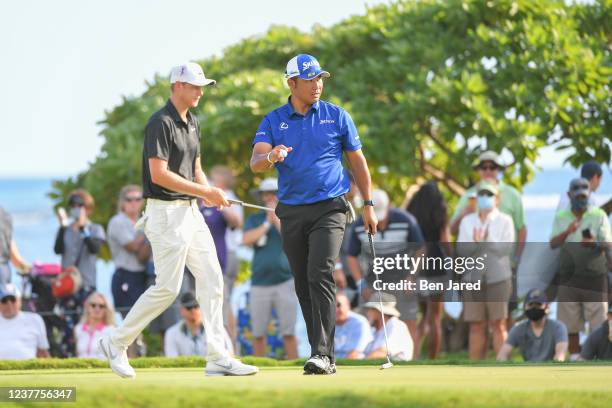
9	289
191	73
269	184
381	204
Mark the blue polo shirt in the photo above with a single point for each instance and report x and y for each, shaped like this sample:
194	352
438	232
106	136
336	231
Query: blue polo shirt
313	171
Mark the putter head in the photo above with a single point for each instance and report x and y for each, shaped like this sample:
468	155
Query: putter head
388	364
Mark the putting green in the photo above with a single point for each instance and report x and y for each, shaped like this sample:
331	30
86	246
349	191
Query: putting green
401	386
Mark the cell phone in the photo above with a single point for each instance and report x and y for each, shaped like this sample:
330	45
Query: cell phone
586	233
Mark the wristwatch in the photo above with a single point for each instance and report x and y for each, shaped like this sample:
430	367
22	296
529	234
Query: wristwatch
368	202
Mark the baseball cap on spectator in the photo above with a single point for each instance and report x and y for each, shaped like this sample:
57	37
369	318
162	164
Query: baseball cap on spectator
578	187
388	304
188	300
191	73
487	186
536	296
304	66
76	200
269	184
590	169
491	156
8	290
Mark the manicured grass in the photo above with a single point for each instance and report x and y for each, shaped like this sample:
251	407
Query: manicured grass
353	386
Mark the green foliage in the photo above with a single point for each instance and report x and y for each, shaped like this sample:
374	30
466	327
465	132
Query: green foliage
430	85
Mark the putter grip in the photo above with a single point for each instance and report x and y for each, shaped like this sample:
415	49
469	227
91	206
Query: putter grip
371	245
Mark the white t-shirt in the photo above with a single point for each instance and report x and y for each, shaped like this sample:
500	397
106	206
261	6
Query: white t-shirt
22	336
87	340
178	341
400	340
495	248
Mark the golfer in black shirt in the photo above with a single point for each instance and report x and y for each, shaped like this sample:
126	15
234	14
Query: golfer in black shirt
172	179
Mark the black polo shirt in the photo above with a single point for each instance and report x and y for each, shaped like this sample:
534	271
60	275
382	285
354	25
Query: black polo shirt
169	138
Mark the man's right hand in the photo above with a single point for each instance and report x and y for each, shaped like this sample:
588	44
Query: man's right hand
214	197
573	227
275	154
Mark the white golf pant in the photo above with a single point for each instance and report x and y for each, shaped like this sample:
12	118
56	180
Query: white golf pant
179	236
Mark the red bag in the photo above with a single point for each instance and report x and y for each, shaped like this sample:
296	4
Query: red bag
67	283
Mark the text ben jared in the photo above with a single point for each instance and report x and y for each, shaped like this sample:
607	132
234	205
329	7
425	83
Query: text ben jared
410	265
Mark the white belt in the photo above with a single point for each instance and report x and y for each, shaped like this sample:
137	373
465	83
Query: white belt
173	203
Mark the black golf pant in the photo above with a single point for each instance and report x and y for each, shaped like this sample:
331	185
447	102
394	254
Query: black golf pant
312	236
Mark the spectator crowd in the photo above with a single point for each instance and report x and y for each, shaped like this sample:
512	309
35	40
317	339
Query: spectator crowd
65	315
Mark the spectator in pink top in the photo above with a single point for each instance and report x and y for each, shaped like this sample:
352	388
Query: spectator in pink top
97	321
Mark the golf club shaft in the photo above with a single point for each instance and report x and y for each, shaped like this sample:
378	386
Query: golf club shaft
380	300
242	203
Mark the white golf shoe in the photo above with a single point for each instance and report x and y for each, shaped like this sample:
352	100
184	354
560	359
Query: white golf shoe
229	366
117	358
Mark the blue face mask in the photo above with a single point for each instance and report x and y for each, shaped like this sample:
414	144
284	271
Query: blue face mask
485	202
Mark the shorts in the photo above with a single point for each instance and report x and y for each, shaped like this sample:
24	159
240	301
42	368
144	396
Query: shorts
283	299
5	274
575	307
127	287
407	304
480	311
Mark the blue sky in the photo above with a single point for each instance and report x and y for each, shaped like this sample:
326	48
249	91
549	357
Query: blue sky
65	62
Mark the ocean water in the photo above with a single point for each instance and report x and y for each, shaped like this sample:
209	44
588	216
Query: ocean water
35	224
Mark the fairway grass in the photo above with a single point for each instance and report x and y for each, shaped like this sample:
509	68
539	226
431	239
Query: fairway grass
402	386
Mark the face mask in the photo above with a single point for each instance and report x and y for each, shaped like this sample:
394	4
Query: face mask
535	314
579	204
75	213
485	202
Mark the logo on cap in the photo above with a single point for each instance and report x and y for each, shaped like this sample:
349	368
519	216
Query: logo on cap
304	66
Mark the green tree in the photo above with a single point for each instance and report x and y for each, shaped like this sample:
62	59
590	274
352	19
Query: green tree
429	83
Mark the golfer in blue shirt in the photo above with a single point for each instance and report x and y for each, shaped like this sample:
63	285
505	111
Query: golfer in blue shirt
304	140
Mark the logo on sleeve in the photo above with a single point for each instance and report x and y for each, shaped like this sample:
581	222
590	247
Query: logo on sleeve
283	126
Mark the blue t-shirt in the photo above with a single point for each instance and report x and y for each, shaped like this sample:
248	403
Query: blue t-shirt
270	265
354	334
312	171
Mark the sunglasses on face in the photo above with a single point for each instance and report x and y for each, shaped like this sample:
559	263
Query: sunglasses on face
486	193
488	168
133	199
7	299
97	305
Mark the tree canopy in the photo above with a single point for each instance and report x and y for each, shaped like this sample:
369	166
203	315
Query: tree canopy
430	84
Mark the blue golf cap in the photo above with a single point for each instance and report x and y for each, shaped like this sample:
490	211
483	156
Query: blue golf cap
304	66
